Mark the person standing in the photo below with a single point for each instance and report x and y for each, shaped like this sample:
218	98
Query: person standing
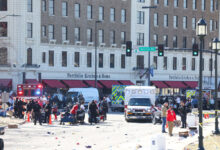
183	114
104	108
47	109
93	109
163	116
37	113
73	111
212	103
171	117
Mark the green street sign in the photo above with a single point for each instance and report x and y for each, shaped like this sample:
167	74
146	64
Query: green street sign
152	49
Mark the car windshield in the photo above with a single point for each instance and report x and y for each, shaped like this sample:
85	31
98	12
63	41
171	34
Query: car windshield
139	102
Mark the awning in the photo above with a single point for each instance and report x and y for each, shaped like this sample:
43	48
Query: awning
5	83
92	83
74	83
191	84
31	81
54	83
176	84
126	82
159	84
109	83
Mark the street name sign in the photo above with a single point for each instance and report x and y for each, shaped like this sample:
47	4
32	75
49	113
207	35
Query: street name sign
143	49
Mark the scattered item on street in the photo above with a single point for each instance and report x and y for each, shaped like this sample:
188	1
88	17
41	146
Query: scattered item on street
158	142
12	126
88	146
184	133
177	123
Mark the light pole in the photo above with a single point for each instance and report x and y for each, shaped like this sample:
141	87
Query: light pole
96	22
149	7
201	32
216	47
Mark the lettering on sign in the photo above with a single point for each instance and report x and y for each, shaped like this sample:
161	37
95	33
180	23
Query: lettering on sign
87	76
184	77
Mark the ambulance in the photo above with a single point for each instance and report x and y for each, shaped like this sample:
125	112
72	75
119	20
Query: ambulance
139	101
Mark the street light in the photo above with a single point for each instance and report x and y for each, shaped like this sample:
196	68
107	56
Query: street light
201	32
149	7
216	47
96	22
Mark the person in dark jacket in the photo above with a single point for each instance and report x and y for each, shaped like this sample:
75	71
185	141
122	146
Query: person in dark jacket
183	114
47	109
93	112
104	108
37	113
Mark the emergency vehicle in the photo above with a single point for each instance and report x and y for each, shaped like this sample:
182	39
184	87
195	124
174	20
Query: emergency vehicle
29	91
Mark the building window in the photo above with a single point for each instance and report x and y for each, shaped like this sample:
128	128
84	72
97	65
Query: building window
51	58
175	21
211	5
155	39
29	30
184	22
193	64
210	64
44	33
3	56
101	36
64	33
155	62
185	3
76	59
29	5
89	35
123	16
164	63
77	34
216	4
141	1
140	17
174	63
194	4
166	3
175	43
44	5
211	25
51	31
89	12
140	38
123	37
101	13
156	2
112	37
64	59
29	56
193	40
140	61
44	57
112	60
112	14
184	42
176	3
51	7
77	10
155	19
203	4
100	60
165	20
193	23
165	40
89	60
64	9
184	63
3	5
3	29
122	61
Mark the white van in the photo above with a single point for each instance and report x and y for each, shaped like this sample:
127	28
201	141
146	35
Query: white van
89	94
138	102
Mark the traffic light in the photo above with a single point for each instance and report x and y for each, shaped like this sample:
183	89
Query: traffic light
128	48
160	50
195	50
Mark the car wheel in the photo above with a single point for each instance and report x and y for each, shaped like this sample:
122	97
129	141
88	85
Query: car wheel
1	144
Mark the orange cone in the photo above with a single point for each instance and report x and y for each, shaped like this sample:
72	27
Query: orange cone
28	117
167	125
50	121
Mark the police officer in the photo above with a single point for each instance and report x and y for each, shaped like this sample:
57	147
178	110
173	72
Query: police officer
47	109
37	113
183	113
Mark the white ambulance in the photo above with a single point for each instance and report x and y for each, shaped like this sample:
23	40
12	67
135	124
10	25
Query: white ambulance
139	101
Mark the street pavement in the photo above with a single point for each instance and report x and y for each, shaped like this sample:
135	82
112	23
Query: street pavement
113	134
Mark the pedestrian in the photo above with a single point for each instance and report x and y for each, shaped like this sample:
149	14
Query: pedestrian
183	114
163	116
104	108
212	103
81	99
54	110
47	109
171	117
37	113
93	110
73	111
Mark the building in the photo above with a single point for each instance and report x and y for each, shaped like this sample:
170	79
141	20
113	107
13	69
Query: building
53	42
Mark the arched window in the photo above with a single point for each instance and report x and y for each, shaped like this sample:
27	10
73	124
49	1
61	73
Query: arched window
3	56
29	56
